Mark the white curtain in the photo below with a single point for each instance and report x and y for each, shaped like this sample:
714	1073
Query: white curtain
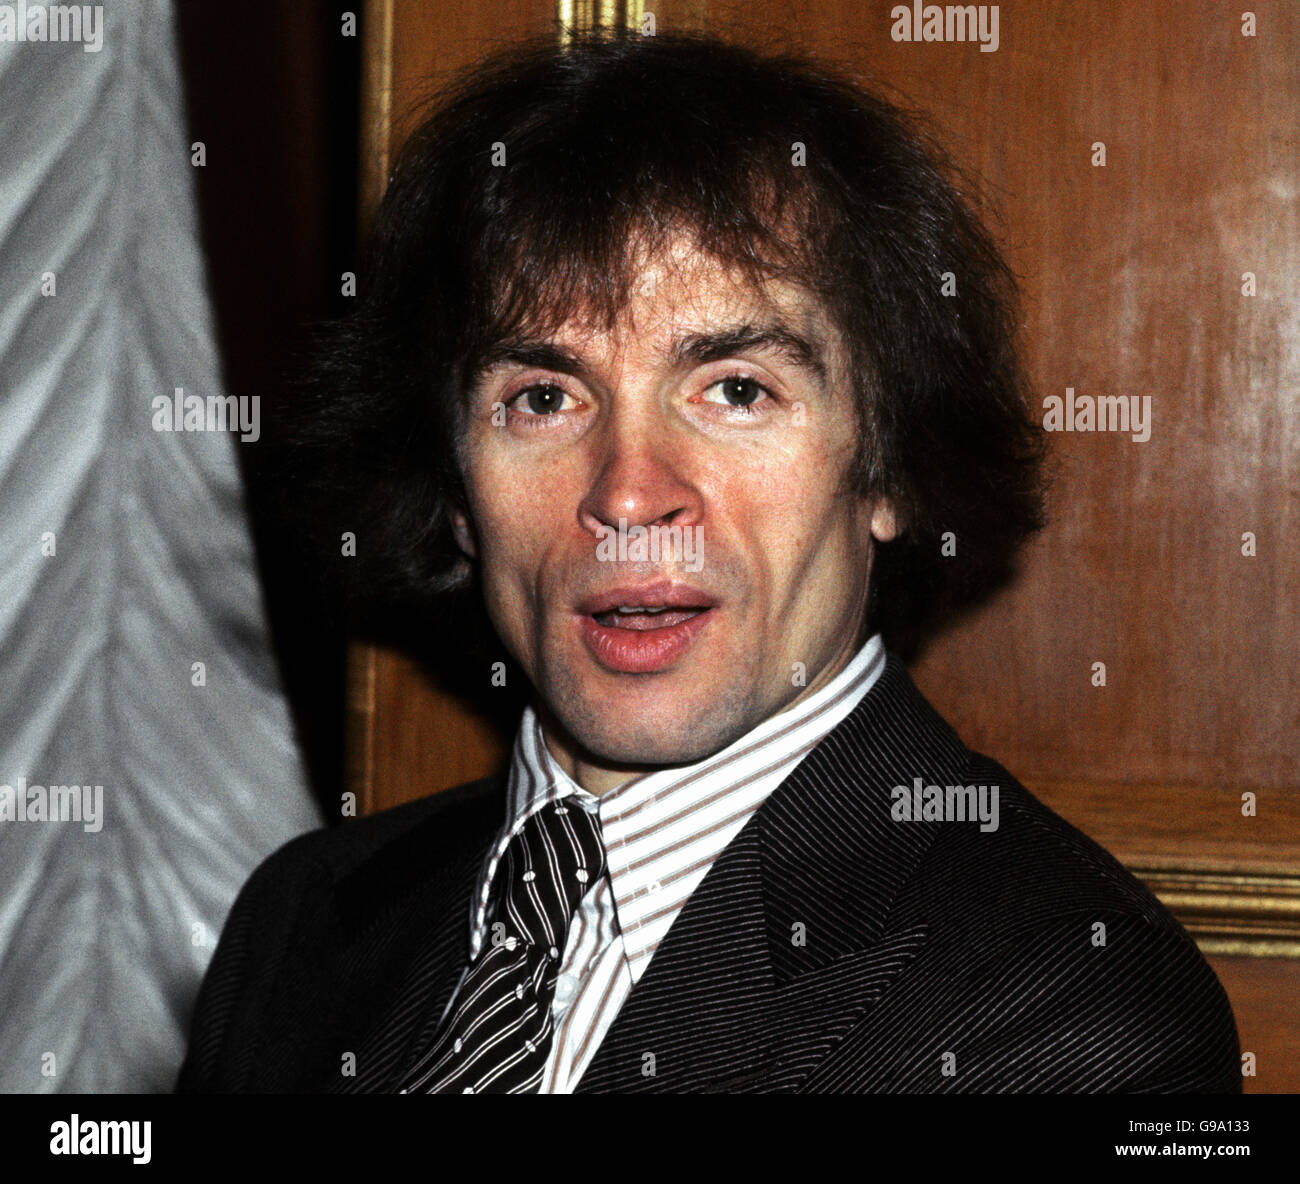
125	559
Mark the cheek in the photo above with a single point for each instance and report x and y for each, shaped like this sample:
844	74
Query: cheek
520	512
800	540
508	533
503	503
787	507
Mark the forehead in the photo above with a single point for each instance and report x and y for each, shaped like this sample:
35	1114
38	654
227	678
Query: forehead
677	295
681	286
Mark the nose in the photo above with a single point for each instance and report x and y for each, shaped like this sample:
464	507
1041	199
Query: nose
638	476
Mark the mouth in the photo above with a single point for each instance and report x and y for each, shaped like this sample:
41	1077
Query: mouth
642	620
644	630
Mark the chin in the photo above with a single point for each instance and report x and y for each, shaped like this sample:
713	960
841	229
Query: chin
673	733
655	751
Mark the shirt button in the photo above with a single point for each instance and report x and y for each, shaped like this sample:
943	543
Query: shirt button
582	875
565	987
527	1043
555	953
457	1046
469	1089
519	992
529	877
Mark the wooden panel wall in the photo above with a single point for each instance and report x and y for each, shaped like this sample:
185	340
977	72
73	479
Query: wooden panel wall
1134	276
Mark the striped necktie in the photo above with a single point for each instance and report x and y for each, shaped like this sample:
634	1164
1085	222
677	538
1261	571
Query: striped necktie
498	1038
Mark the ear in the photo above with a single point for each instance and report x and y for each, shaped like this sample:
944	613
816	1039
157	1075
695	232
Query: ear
464	532
884	522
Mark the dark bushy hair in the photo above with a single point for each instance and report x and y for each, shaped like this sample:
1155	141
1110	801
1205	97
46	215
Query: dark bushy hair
615	141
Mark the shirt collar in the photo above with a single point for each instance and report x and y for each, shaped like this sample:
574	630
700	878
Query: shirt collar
536	779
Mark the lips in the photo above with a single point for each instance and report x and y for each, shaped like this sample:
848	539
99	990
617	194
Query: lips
644	630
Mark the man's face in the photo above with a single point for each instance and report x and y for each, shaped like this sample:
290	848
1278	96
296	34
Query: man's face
710	408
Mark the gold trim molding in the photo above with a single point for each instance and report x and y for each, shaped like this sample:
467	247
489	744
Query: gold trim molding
588	16
1256	914
376	105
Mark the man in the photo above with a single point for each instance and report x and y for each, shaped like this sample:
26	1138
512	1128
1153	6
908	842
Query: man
686	362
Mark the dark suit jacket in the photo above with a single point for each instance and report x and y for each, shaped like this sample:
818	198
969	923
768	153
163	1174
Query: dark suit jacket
935	956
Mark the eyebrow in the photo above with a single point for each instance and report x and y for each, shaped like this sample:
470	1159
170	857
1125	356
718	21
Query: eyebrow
774	336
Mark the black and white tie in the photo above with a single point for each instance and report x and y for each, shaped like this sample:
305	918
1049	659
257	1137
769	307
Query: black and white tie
497	1039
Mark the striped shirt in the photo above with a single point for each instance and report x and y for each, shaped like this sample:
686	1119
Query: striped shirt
662	831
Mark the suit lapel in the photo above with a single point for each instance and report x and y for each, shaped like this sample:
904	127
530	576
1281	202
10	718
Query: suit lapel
787	940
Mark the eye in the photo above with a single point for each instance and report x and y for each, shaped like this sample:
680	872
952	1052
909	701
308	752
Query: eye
540	400
736	391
